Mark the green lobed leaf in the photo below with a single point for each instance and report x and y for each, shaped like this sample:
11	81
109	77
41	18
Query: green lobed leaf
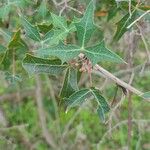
85	27
44	28
38	65
70	83
77	98
31	30
53	37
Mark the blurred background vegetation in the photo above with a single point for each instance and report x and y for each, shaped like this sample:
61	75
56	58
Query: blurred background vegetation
24	126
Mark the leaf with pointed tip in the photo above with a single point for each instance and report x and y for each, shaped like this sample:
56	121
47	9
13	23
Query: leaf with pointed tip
100	100
85	27
101	113
59	21
64	52
146	95
70	83
78	98
31	30
122	25
53	37
99	53
4	11
42	11
38	65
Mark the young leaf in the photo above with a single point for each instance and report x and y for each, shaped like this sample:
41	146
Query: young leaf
85	27
78	98
70	83
38	65
123	23
100	99
31	30
64	52
101	113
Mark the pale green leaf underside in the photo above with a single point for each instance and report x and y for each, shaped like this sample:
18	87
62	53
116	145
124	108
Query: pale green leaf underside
38	65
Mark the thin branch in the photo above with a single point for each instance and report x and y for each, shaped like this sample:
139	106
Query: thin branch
135	21
118	81
23	94
48	137
118	125
144	41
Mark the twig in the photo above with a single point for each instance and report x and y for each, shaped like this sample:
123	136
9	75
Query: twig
70	122
52	95
118	81
74	9
137	19
118	125
144	41
12	96
48	137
